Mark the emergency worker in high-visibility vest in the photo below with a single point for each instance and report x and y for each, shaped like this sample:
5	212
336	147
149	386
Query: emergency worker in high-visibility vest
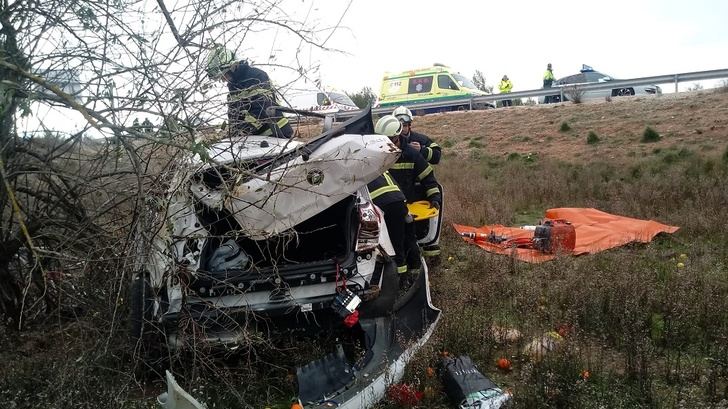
505	86
250	95
548	80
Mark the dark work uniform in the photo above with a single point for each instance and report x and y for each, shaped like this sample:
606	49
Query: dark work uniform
386	195
250	94
429	150
416	179
411	169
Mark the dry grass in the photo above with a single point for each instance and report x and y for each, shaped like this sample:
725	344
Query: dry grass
652	334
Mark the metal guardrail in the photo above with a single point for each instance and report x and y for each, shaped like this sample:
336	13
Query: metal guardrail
492	98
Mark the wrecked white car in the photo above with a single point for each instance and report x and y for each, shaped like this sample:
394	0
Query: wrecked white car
266	225
280	228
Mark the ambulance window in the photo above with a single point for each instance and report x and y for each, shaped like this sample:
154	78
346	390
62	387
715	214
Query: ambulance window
419	85
322	99
445	82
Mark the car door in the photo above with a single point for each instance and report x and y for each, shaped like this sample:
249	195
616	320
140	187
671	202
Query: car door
446	86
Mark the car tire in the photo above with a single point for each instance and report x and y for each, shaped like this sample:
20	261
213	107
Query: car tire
623	92
147	340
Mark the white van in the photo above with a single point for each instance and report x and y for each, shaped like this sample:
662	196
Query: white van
323	102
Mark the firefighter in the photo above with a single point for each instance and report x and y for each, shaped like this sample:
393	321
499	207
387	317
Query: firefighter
414	176
387	196
505	87
548	80
430	150
250	95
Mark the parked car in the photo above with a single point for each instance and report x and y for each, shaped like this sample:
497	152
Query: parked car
269	226
320	101
587	75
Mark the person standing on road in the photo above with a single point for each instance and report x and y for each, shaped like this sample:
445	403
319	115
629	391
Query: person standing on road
548	80
505	86
431	151
251	93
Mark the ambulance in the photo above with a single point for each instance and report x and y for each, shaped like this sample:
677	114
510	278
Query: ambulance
437	83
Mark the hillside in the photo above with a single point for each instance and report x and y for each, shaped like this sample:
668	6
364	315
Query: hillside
697	121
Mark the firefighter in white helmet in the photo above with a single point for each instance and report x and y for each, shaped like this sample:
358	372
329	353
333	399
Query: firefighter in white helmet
411	172
250	95
430	150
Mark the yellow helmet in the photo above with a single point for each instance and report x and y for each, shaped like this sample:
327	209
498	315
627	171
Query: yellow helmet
403	113
388	125
219	60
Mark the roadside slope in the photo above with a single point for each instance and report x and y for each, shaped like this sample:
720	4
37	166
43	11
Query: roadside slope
697	121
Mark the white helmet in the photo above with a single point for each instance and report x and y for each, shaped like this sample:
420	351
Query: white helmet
219	60
388	125
403	113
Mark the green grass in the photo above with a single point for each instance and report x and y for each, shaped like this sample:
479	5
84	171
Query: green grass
650	135
592	138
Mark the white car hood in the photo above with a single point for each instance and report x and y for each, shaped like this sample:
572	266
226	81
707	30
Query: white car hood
241	149
294	191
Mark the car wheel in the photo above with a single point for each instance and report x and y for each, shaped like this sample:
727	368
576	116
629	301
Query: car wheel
625	92
147	340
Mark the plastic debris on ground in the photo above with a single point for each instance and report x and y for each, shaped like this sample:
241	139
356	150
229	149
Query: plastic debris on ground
468	387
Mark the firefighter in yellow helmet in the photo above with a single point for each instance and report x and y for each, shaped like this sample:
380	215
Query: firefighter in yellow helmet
250	95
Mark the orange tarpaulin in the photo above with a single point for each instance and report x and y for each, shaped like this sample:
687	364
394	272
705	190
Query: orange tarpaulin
595	231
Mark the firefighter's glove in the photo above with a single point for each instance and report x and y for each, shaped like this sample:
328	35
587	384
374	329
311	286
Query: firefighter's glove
435	204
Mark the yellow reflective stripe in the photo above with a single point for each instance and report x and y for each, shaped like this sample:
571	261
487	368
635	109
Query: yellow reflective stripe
282	122
250	92
404	165
432	191
425	172
434	145
429	154
267	132
402	269
252	120
430	253
389	179
382	190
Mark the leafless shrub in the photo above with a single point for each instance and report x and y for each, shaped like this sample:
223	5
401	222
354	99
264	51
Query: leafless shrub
574	93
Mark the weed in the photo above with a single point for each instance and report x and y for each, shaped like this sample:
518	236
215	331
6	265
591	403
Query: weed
650	135
448	143
592	138
564	127
475	144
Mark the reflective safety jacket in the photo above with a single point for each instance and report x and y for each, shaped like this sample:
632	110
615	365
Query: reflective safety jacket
548	75
431	151
384	190
505	86
250	94
412	168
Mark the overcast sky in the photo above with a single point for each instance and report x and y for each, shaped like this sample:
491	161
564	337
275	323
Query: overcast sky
624	39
